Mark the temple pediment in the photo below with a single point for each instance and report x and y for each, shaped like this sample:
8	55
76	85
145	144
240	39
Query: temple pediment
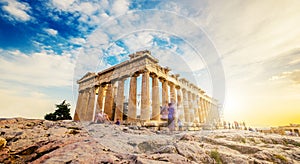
87	76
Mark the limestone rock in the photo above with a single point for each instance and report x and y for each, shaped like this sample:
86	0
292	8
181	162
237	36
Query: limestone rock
2	142
167	149
193	151
41	141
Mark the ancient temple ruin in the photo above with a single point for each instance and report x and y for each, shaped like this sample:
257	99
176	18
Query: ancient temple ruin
104	91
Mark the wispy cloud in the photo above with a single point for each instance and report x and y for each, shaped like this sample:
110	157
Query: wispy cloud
77	41
63	4
51	31
18	10
38	69
293	76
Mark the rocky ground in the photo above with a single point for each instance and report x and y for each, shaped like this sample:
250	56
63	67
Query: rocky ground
41	141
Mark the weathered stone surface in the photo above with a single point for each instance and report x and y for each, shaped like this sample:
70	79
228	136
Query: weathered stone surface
171	149
2	142
193	151
71	142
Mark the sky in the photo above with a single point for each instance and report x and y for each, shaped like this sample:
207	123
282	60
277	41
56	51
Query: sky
246	53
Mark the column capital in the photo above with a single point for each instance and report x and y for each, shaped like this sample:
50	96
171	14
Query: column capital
135	74
162	79
153	75
171	83
103	85
166	70
145	70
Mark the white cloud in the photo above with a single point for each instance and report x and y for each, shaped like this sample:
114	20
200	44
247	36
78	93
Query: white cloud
138	41
38	69
91	13
51	31
78	41
120	7
114	50
63	4
19	10
97	38
87	8
30	85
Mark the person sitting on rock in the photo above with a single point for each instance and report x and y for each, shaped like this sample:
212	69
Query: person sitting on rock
102	118
118	122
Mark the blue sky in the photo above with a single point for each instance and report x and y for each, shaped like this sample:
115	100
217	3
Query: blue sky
45	46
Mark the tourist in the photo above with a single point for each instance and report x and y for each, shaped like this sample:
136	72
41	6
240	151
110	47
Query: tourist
236	125
99	118
224	124
171	113
102	118
164	112
118	122
179	124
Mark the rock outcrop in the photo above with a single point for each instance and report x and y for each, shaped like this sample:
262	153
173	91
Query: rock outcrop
41	141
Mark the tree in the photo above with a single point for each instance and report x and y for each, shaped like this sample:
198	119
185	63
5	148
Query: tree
61	113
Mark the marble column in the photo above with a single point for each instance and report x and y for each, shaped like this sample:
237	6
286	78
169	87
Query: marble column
132	99
155	98
85	104
206	110
101	95
186	106
172	93
194	108
173	97
200	109
179	105
78	111
109	101
209	110
119	100
165	95
203	109
191	108
145	102
91	104
196	112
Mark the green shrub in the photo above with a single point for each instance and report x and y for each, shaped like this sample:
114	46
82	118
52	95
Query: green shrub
280	157
215	155
61	113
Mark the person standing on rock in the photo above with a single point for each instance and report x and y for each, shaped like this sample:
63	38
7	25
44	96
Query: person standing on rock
179	124
171	112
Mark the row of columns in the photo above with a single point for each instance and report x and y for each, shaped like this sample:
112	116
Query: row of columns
191	108
195	108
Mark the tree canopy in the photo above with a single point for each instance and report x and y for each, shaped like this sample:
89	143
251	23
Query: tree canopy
61	113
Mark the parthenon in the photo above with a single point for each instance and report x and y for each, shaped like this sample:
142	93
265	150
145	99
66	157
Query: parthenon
104	92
